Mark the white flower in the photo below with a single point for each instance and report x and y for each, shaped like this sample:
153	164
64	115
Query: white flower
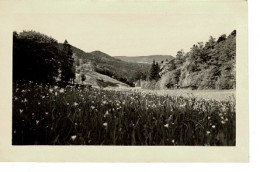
208	132
46	113
55	93
68	104
223	122
92	107
50	90
25	100
183	105
39	103
56	87
37	121
21	110
73	137
173	141
213	126
105	124
62	90
166	125
75	104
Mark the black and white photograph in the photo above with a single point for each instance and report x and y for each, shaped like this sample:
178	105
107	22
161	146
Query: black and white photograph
129	79
160	82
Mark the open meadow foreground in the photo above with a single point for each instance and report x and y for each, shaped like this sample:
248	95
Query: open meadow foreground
131	91
53	115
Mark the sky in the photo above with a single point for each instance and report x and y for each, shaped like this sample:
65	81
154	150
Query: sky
133	31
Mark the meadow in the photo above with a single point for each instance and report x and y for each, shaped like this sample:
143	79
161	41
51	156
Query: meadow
51	115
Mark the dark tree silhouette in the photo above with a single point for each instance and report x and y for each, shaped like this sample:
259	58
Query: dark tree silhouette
35	57
67	66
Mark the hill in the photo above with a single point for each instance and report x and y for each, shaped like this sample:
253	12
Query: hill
145	59
209	65
103	63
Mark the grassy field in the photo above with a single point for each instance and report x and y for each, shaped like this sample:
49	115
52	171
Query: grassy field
70	116
219	95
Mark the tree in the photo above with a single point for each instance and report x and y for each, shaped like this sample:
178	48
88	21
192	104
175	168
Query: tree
67	67
154	71
83	77
36	57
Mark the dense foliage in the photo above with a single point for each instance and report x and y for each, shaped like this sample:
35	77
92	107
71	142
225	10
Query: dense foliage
59	116
38	58
205	66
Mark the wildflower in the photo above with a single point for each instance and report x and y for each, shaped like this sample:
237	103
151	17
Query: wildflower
25	100
75	104
105	124
223	122
92	107
39	103
73	137
208	117
21	110
76	124
14	131
43	97
46	113
62	90
208	132
213	126
50	90
183	105
166	125
106	113
56	93
56	87
226	119
15	98
37	122
173	141
68	104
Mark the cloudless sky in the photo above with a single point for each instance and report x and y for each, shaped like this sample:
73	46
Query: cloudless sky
134	32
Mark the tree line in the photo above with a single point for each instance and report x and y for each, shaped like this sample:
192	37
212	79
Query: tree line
206	66
39	58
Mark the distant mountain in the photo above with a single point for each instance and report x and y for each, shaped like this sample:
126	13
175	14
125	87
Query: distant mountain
145	59
104	64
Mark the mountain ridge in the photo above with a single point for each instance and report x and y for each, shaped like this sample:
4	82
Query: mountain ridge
145	59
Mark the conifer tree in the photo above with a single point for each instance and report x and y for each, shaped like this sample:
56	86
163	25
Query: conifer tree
67	67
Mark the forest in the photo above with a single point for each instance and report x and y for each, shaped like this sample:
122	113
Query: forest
210	65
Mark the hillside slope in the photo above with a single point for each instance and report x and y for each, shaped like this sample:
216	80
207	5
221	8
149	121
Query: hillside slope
105	64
